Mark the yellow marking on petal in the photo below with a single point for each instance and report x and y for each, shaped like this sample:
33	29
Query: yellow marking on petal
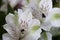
35	28
56	16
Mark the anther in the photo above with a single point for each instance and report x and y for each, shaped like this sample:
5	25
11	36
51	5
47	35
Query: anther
22	31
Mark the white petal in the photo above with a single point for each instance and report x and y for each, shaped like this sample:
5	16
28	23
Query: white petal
46	26
32	6
35	11
37	34
34	1
33	36
6	36
26	15
12	19
12	30
54	17
45	6
34	22
56	23
13	3
20	11
9	19
24	2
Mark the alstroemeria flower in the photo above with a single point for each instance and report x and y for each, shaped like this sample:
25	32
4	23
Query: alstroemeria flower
52	20
45	6
41	7
21	26
34	6
54	17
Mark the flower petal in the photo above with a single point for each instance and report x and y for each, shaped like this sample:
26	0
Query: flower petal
34	36
26	15
6	36
12	19
46	26
34	8
45	6
34	29
34	25
12	30
35	11
20	11
34	1
9	19
13	3
54	17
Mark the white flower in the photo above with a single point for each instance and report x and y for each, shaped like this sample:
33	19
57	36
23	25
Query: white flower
33	5
41	7
52	20
45	6
54	17
21	26
37	11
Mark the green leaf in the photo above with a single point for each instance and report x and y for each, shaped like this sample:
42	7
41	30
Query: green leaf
10	9
46	36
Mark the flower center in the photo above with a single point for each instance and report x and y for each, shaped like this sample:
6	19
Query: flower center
43	15
24	28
